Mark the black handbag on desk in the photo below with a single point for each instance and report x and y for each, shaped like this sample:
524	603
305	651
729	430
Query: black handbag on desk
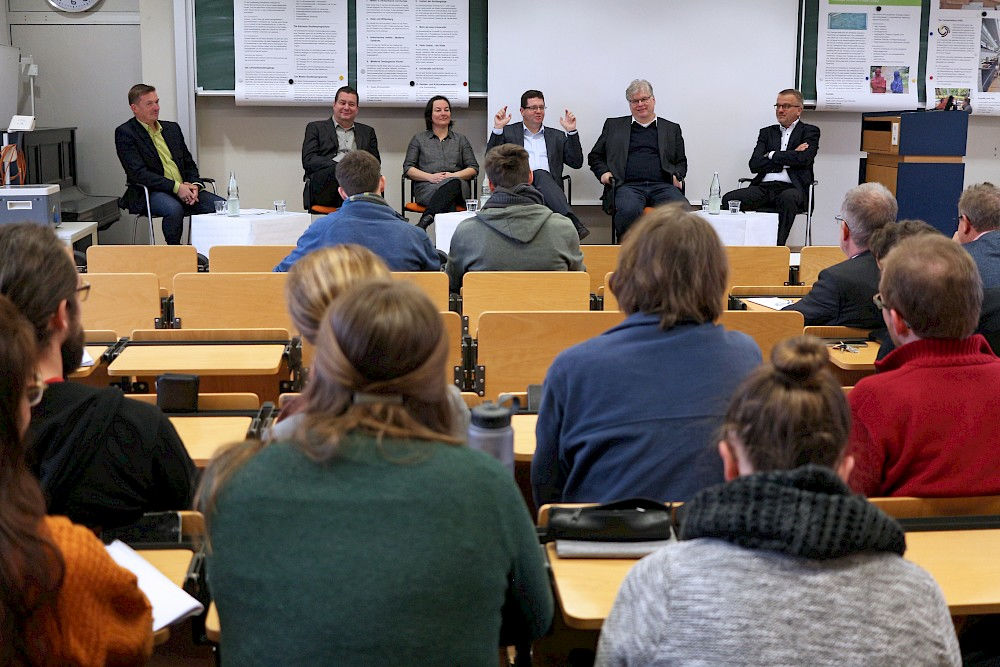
630	520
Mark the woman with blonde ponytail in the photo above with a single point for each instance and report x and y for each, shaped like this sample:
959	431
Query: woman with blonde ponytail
782	564
371	536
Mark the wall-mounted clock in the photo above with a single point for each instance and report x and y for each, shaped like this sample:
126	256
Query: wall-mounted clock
74	5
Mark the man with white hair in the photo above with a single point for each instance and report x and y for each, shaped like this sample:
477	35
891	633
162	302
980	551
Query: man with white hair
842	294
643	154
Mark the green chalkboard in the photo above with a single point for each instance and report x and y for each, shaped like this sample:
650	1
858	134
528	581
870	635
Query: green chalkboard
809	37
214	48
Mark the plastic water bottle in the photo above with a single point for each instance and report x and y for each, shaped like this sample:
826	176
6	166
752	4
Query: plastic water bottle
485	197
490	432
715	195
233	198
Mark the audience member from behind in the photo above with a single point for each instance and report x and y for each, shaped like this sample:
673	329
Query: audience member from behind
103	460
366	218
378	539
782	563
63	600
515	231
633	411
978	222
916	432
842	294
313	283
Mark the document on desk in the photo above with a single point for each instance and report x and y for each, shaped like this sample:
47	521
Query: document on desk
170	603
772	302
87	360
595	549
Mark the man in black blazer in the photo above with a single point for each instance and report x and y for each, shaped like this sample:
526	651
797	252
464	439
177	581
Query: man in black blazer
842	294
782	163
327	142
643	153
548	149
153	153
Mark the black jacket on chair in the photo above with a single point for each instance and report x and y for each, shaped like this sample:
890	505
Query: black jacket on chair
142	163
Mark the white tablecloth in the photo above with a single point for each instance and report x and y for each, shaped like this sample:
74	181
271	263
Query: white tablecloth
750	228
254	226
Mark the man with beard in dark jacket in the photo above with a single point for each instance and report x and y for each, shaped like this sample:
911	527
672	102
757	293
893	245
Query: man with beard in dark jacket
102	459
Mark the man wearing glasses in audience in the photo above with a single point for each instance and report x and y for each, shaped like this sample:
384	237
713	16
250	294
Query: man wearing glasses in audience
644	156
548	150
782	163
842	294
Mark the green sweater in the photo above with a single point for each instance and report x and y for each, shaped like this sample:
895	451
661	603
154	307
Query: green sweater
402	553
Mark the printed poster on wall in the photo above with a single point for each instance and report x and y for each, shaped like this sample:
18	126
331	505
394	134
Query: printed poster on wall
963	45
867	54
412	50
289	51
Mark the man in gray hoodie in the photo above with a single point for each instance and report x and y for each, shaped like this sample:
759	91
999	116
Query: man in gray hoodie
514	231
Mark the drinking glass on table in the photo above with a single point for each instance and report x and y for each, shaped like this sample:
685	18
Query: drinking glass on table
279	206
471	205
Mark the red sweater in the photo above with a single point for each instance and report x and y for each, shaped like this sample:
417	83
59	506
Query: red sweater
927	424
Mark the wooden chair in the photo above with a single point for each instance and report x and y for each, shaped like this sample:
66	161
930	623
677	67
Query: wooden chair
243	258
453	329
433	283
516	348
758	265
600	260
522	291
610	302
212	401
231	301
766	328
905	507
166	261
815	258
836	332
121	302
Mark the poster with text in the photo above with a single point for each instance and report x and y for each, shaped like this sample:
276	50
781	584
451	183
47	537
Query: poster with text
412	50
289	51
963	45
867	54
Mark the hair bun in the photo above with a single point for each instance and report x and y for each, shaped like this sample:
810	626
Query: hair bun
800	359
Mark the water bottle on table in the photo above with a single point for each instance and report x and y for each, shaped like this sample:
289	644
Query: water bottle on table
233	197
715	195
485	197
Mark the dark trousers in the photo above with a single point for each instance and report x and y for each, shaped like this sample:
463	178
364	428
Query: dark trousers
632	198
784	198
173	210
321	189
551	190
446	198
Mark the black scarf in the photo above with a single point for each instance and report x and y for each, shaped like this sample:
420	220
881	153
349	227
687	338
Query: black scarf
807	512
518	195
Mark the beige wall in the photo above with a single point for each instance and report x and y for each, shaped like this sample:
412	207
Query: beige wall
156	48
264	144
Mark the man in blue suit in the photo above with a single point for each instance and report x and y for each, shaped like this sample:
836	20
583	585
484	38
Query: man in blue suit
548	150
782	162
978	222
153	153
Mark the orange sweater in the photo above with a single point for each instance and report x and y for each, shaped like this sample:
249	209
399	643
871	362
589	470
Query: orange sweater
103	618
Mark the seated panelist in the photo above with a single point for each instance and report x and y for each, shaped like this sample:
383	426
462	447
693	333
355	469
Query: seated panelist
782	163
643	153
325	145
153	153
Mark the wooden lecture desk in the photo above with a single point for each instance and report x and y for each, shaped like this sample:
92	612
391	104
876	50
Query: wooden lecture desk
200	359
524	437
213	631
174	564
203	435
95	352
963	562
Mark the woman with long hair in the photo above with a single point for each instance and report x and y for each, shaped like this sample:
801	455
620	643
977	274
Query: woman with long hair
313	283
371	536
440	162
782	564
62	599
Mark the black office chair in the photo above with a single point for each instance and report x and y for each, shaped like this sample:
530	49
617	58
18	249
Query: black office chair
148	214
808	210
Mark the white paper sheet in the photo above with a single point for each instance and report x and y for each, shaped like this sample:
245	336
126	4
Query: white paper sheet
963	56
774	303
170	603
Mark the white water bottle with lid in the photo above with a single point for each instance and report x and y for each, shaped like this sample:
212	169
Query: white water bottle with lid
233	197
715	195
486	194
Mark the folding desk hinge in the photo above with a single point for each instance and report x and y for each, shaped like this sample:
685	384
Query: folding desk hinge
470	352
793	275
166	313
293	353
596	302
479	380
455	303
262	421
465	325
175	323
